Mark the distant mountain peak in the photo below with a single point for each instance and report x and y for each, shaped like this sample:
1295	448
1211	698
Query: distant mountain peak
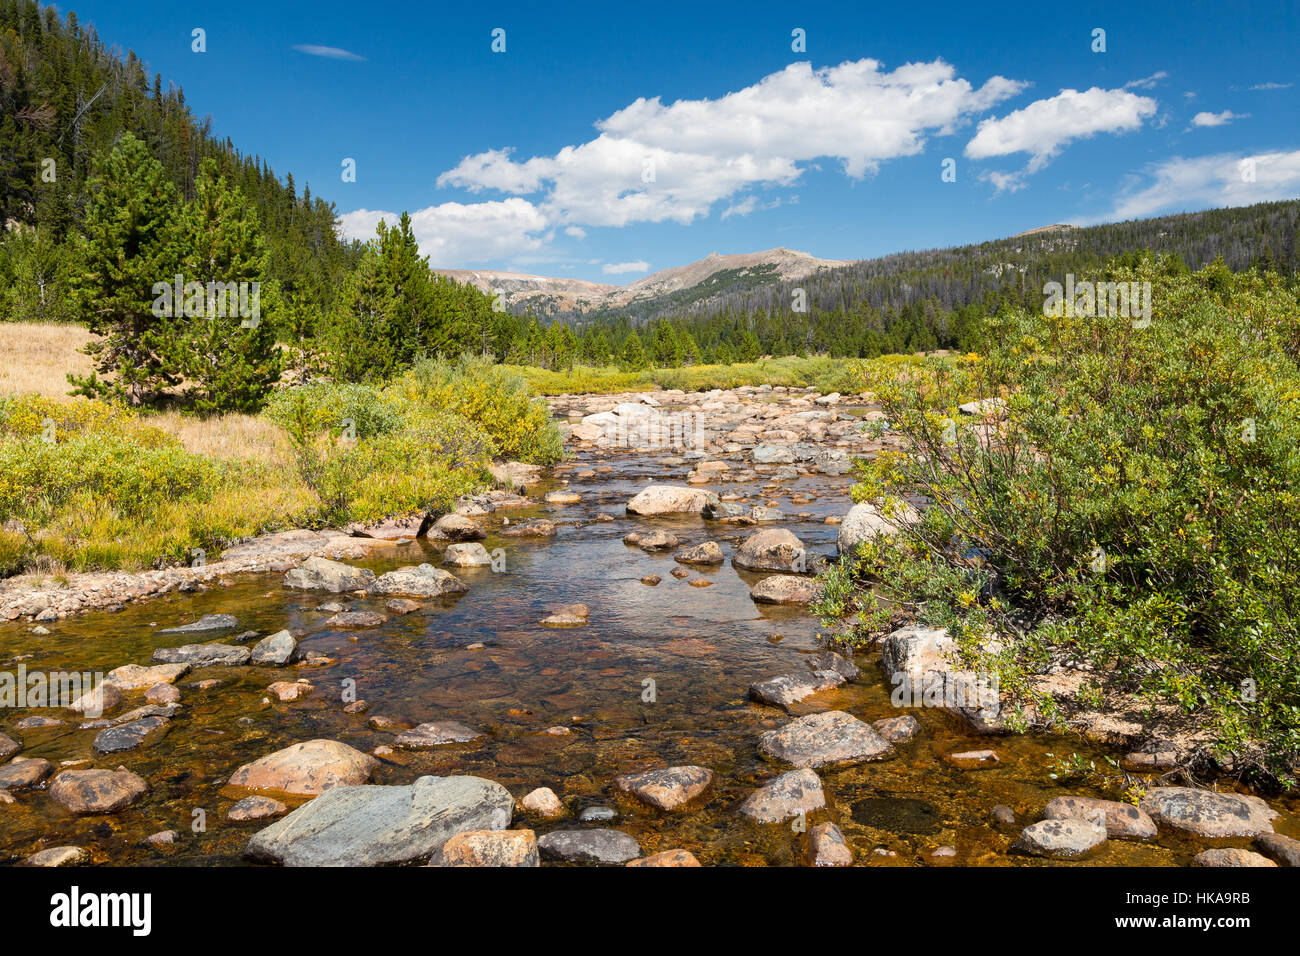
549	294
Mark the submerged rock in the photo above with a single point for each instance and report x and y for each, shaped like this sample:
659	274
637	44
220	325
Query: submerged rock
255	808
134	676
589	846
350	619
371	825
534	528
58	856
897	730
208	622
306	769
436	733
468	554
826	739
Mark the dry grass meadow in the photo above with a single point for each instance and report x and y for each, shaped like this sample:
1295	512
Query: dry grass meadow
36	359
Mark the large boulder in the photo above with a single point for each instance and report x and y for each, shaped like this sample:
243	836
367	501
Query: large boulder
489	848
669	788
769	453
1226	856
454	527
865	521
1065	839
203	655
322	574
671	499
371	825
589	846
706	552
786	589
306	769
827	739
276	650
793	794
772	549
1122	821
96	791
23	772
130	735
1204	813
422	581
137	677
786	689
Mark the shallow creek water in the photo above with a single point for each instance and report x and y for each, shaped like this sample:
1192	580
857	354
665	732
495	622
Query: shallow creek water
702	647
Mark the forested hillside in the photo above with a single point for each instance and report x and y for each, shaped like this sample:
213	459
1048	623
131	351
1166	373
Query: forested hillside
65	100
924	300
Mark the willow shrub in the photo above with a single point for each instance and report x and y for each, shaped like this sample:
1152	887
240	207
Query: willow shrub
493	397
86	485
1134	504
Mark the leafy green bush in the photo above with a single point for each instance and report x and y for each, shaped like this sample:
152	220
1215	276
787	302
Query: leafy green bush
491	396
307	410
1133	504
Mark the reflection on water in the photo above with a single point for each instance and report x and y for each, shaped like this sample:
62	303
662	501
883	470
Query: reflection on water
701	648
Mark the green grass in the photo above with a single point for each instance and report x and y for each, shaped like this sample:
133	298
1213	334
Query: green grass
821	372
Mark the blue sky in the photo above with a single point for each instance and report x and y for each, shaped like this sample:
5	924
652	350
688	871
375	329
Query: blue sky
715	136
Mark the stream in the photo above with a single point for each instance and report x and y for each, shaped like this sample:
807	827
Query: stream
701	647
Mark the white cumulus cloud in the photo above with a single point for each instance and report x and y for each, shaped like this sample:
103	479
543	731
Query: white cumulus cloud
455	233
657	162
1044	127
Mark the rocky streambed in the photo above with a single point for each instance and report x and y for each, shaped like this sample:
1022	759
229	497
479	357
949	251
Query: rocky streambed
612	665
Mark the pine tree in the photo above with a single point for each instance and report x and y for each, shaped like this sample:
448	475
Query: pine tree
633	357
128	243
228	358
